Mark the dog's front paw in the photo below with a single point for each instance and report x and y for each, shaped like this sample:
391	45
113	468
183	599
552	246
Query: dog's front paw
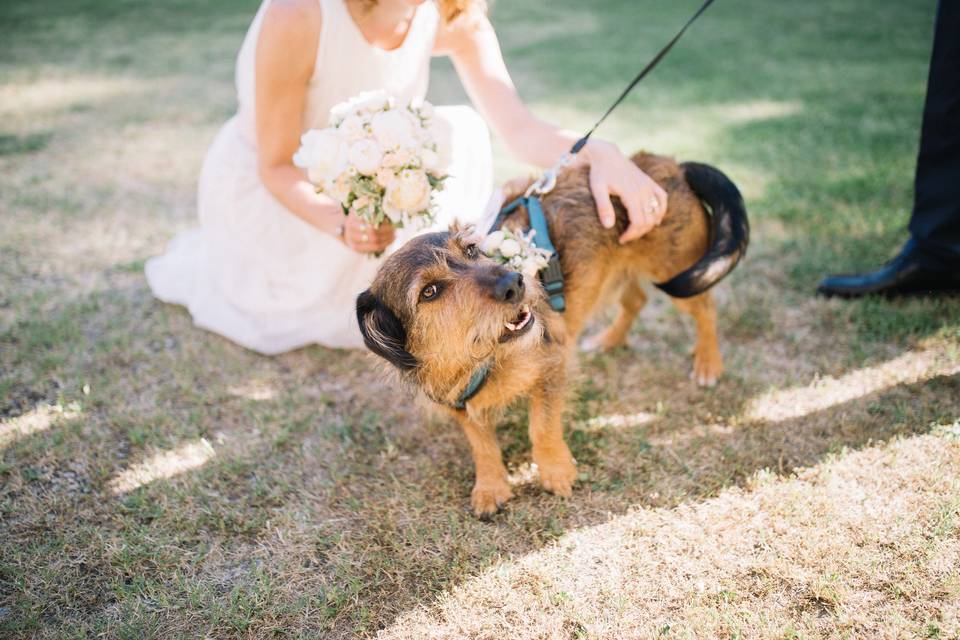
707	366
489	497
557	473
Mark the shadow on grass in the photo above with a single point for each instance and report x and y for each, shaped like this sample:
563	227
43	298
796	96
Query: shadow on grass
849	208
14	144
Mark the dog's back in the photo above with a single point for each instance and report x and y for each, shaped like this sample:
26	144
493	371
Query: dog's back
592	258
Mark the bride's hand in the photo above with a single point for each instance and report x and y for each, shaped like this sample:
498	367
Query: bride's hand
362	237
613	174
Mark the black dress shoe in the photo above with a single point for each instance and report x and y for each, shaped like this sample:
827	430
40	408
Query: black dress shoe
910	273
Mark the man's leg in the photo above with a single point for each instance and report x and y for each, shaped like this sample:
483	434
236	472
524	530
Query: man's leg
930	261
935	223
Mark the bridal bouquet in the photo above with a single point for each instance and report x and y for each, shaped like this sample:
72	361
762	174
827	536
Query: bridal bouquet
515	250
382	161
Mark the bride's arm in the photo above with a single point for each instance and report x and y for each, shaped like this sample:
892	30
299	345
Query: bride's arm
472	44
286	53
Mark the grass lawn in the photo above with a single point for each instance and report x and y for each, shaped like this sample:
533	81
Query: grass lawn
158	481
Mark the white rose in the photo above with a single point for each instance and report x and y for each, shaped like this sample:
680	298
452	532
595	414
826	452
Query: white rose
425	109
408	193
492	242
365	156
351	129
430	160
396	159
384	177
395	215
392	130
509	248
323	153
365	102
339	187
532	265
370	101
440	133
419	133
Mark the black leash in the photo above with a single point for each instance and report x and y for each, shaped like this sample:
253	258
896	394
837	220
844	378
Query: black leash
552	277
546	182
640	76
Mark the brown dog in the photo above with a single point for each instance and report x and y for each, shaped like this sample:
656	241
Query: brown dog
474	336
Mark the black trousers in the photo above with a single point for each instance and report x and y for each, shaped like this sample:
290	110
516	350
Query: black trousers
935	223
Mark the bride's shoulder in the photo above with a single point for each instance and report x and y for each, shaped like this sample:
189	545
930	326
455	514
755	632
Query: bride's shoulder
291	28
293	18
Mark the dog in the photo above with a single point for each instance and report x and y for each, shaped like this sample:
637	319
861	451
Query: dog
474	336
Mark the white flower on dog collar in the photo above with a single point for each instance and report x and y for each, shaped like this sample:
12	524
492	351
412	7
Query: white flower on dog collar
515	251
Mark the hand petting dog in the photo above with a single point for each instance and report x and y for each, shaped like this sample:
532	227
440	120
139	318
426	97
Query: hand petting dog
613	174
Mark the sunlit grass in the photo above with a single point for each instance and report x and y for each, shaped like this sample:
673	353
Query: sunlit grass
162	465
742	564
823	393
34	421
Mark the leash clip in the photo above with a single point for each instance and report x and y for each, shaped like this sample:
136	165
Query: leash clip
548	180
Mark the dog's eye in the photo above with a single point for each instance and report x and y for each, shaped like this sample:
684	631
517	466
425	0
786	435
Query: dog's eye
429	292
471	251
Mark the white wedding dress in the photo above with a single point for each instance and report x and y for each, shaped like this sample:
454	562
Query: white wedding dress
256	273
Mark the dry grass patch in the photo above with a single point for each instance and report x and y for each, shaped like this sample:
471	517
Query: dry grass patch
863	545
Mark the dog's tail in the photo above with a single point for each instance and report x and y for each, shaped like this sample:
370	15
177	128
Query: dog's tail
729	231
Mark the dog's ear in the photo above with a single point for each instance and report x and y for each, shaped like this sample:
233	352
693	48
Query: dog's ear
383	333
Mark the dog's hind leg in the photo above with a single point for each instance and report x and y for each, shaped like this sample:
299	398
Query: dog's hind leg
632	301
707	361
550	452
491	489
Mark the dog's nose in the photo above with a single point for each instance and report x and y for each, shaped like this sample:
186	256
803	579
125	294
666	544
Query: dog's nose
509	287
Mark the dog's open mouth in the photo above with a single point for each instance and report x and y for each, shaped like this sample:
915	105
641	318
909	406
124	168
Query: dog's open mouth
519	325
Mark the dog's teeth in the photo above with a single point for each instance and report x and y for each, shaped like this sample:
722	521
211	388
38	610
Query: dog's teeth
522	320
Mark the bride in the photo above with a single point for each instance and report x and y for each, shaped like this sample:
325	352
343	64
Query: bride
275	266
